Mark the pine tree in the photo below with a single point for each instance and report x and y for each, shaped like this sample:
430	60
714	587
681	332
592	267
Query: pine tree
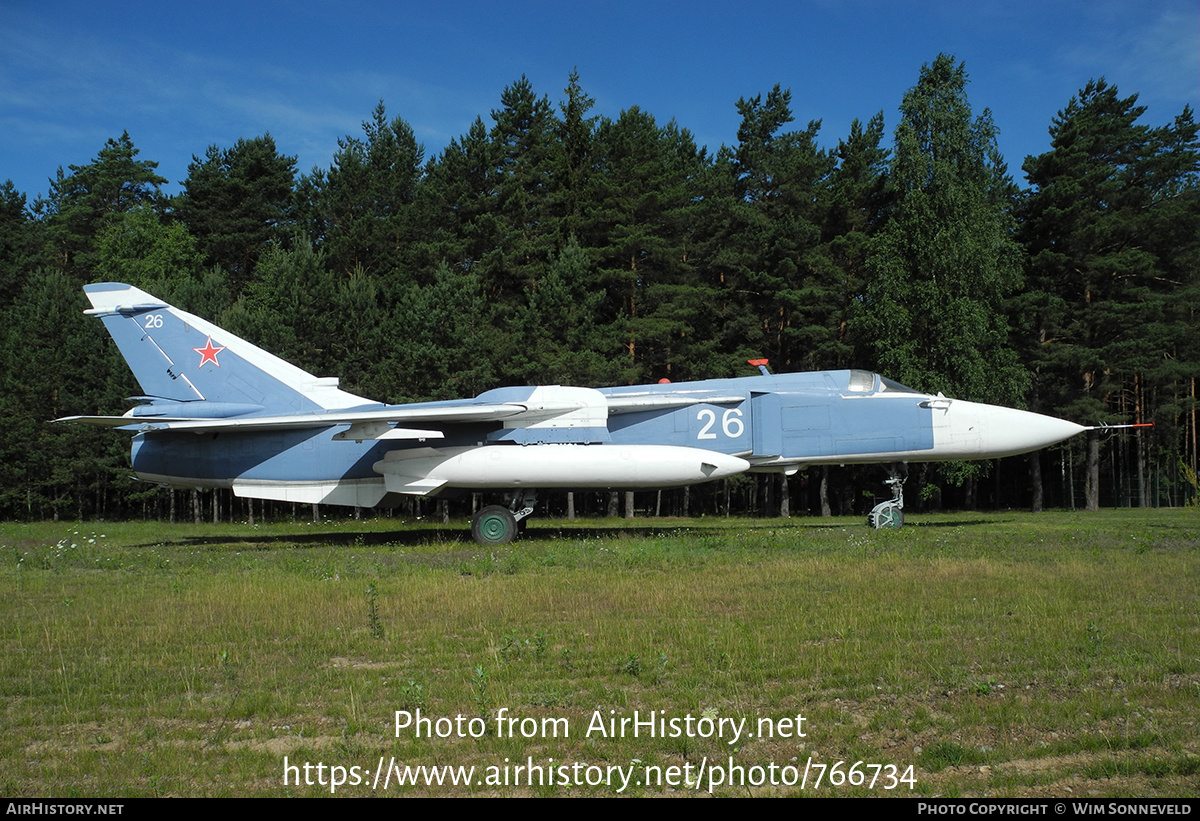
574	159
942	265
360	211
82	203
237	201
456	223
522	140
1112	227
18	241
854	204
286	309
48	469
563	339
639	222
761	233
451	343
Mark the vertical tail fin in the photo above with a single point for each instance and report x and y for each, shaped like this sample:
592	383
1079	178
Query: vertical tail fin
179	357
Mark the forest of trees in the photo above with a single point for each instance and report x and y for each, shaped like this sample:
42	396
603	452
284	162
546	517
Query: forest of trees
550	245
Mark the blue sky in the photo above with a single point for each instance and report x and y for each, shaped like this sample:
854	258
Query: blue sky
181	77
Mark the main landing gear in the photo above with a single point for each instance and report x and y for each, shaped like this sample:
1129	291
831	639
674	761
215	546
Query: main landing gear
497	524
891	512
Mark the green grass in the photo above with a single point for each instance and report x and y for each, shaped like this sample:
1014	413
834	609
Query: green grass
996	654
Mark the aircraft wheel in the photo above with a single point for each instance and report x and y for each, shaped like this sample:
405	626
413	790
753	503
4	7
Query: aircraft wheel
494	525
886	515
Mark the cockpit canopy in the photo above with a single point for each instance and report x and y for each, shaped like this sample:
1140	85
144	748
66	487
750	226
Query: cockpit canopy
867	382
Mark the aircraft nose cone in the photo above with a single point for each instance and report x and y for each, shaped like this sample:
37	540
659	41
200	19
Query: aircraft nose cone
1030	431
1007	432
973	431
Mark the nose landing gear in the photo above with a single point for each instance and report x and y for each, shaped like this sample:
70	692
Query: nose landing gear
891	512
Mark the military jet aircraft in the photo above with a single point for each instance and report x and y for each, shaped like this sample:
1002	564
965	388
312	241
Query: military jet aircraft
221	412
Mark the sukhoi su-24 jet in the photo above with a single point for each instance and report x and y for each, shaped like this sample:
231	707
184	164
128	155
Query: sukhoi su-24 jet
218	411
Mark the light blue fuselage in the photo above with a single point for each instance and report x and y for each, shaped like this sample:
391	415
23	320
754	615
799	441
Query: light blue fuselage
777	419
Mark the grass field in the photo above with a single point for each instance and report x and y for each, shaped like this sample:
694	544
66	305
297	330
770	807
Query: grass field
995	654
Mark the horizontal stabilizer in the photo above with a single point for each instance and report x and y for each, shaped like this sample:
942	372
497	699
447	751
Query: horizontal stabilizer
117	422
406	413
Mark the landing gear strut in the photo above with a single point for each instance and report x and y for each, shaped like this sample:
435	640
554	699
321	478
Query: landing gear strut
890	513
497	524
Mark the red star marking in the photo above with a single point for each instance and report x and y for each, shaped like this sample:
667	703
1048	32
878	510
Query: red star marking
208	353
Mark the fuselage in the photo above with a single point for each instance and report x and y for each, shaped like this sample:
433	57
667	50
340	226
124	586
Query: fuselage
677	433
